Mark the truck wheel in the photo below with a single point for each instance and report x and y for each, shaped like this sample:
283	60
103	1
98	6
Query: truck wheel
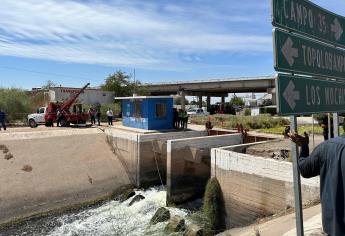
32	123
49	123
63	122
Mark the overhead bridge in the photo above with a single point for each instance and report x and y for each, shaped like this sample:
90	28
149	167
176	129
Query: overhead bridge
216	88
213	88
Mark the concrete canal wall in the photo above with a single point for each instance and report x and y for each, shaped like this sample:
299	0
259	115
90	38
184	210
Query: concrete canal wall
55	169
254	187
144	154
189	164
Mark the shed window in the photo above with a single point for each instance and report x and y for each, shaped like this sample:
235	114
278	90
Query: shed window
137	109
161	110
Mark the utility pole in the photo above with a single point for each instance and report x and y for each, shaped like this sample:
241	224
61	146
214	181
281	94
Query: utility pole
135	84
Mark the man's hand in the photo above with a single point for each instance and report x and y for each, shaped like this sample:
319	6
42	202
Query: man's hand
298	139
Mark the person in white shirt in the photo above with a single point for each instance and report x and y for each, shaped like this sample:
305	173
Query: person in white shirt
110	116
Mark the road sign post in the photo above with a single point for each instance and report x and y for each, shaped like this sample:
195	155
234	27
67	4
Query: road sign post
316	55
304	95
306	18
336	124
296	181
296	54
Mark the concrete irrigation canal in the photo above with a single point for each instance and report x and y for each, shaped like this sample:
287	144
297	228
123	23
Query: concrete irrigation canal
110	218
69	181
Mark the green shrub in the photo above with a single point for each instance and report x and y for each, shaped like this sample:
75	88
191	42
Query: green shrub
247	112
16	103
248	122
213	205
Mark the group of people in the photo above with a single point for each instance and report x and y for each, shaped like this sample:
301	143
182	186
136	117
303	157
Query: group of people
180	118
2	120
96	114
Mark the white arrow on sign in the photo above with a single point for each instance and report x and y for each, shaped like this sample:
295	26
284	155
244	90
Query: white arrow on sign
289	52
290	95
337	29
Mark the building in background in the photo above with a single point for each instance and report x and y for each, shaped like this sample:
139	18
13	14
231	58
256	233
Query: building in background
89	96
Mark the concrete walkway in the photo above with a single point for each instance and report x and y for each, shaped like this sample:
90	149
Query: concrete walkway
284	225
312	227
53	168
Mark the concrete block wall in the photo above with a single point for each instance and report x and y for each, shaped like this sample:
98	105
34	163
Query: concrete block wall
188	164
254	187
142	153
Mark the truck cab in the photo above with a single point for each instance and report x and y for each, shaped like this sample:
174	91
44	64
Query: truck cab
37	118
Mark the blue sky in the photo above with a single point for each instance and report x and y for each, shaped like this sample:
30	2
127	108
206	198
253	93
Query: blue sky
74	42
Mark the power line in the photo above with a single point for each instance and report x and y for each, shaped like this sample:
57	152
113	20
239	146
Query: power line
44	73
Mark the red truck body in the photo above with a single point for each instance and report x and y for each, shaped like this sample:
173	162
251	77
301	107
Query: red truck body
62	111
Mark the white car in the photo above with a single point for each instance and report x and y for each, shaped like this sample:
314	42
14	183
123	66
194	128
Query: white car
197	112
37	118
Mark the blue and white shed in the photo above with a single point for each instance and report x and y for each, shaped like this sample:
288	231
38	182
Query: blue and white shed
147	112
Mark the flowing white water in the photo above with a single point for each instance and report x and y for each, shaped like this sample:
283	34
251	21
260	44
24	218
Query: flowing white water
115	218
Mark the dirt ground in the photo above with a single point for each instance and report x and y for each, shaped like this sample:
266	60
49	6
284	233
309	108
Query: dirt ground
44	128
274	149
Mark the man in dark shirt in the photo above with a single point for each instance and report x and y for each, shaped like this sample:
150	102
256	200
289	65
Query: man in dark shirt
2	119
328	161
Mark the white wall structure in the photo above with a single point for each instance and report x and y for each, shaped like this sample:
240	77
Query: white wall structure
89	96
254	187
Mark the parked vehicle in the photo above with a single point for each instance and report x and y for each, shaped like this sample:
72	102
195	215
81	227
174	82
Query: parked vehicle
197	112
67	113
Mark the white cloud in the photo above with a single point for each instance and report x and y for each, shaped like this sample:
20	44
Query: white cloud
121	33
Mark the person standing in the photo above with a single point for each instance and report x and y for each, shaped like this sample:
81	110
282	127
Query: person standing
110	116
208	126
175	118
92	114
58	116
180	119
328	161
2	119
98	116
185	119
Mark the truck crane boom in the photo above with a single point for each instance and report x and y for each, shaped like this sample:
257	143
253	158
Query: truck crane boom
67	104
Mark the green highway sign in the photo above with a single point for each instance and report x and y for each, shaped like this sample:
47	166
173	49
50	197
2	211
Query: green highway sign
296	54
303	95
304	17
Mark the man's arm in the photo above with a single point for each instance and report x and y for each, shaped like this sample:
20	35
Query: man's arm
309	165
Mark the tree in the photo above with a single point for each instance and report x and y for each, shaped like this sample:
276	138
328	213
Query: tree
178	101
16	103
120	83
197	103
236	101
49	84
194	103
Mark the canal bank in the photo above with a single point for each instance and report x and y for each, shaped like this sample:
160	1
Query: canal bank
53	169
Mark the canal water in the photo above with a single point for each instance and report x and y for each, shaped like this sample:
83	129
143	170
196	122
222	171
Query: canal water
109	218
